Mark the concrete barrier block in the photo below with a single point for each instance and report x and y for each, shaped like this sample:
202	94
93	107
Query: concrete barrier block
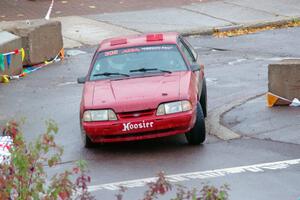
8	43
284	78
41	39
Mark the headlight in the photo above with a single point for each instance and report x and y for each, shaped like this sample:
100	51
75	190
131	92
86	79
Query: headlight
173	107
99	115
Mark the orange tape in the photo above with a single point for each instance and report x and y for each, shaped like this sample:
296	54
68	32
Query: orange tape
271	99
62	53
275	100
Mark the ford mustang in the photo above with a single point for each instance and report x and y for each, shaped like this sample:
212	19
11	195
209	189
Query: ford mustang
142	87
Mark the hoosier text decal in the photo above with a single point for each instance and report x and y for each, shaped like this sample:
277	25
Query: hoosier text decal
142	125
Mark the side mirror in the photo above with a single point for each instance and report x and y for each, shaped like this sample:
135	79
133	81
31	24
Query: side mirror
81	80
195	67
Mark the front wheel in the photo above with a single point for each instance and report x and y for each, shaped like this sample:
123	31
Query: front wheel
197	134
87	142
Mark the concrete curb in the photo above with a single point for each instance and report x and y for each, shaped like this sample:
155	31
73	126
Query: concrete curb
239	26
214	119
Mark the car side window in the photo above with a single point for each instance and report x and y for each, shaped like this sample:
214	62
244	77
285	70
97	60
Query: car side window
191	48
186	52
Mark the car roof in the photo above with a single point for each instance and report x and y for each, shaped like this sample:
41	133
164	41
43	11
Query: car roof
138	40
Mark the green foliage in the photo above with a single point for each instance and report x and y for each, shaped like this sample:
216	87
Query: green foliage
24	177
213	193
162	186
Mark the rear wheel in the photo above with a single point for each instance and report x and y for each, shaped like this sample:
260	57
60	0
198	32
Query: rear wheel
203	98
197	134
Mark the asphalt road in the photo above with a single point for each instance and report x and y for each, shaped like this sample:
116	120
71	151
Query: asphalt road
278	123
235	68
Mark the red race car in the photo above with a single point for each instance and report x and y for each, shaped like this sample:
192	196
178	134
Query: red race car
141	87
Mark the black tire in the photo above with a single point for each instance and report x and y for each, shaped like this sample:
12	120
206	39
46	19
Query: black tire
197	134
87	142
203	98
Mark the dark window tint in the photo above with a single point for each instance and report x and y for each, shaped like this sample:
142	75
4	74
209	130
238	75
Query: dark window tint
162	57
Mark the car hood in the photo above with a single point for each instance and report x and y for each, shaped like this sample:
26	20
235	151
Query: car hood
140	93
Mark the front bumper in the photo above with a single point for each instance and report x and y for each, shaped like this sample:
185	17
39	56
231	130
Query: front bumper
140	128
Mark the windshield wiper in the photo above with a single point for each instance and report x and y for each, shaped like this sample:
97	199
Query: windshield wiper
150	69
111	74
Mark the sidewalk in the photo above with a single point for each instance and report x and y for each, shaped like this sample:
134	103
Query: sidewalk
34	9
194	18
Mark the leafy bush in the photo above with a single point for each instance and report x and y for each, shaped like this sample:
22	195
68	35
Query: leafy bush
23	175
162	186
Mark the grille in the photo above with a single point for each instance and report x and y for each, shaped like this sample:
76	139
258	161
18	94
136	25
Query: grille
135	114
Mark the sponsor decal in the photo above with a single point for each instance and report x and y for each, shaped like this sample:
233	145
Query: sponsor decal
131	50
111	53
153	48
132	126
139	49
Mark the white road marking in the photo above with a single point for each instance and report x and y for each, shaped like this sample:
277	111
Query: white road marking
74	52
47	17
199	175
275	58
67	83
237	61
211	81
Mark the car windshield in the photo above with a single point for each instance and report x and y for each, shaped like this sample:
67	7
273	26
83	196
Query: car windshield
136	61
